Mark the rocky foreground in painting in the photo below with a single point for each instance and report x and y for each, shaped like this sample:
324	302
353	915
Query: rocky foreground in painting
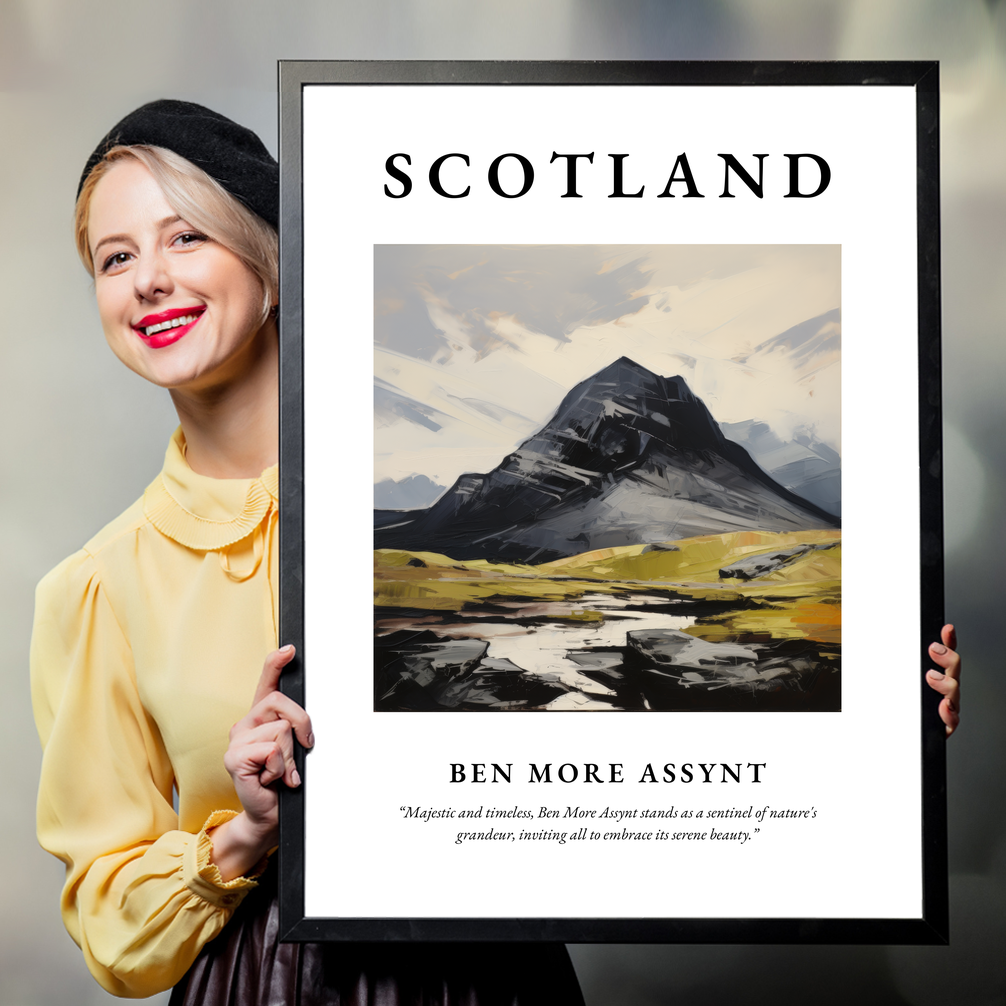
659	670
630	457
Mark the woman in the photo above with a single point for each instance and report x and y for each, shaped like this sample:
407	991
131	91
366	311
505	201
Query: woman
148	643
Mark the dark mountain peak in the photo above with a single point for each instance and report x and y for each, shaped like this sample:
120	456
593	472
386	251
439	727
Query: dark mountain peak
629	456
623	368
626	378
625	399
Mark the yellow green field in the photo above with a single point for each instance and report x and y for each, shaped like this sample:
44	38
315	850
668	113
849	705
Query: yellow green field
800	600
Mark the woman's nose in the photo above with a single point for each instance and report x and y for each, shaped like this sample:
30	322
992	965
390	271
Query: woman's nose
152	277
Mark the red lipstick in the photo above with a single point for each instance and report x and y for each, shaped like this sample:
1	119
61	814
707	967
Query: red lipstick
165	333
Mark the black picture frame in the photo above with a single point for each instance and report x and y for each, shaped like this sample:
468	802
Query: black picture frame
931	926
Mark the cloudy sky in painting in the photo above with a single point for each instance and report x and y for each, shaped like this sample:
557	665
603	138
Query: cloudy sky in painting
475	346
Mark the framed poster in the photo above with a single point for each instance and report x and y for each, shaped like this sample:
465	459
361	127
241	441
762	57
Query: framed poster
642	363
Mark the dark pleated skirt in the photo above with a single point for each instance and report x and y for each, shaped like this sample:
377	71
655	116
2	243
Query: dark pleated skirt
246	965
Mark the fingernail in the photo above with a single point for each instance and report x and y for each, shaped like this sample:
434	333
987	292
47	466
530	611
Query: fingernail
295	777
287	649
938	648
310	740
936	675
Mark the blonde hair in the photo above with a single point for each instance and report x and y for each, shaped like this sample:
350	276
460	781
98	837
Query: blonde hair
199	200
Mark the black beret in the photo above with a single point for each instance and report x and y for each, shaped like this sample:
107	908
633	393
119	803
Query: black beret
231	154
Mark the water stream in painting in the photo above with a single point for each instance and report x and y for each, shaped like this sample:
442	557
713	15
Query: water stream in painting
554	641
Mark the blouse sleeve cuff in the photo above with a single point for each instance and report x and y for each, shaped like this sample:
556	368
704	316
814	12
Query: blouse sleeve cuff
202	876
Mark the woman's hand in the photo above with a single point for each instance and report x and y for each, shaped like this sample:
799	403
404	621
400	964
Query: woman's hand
260	753
947	682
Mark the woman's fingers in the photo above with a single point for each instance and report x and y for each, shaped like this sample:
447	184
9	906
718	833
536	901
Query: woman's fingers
948	658
947	681
261	749
949	688
274	766
270	703
949	712
271	671
949	636
278	735
277	706
261	761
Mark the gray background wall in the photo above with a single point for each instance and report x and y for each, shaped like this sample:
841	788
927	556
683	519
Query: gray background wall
82	437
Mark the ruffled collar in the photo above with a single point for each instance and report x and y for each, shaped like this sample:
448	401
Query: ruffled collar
203	513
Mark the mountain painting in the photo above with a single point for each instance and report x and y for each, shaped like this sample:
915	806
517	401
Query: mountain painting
607	478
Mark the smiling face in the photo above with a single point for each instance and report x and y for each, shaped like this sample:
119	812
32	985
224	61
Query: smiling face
177	307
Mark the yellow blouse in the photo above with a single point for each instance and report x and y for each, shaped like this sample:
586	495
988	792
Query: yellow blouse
147	647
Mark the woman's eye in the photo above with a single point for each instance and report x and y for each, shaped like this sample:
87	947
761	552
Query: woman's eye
114	261
190	238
